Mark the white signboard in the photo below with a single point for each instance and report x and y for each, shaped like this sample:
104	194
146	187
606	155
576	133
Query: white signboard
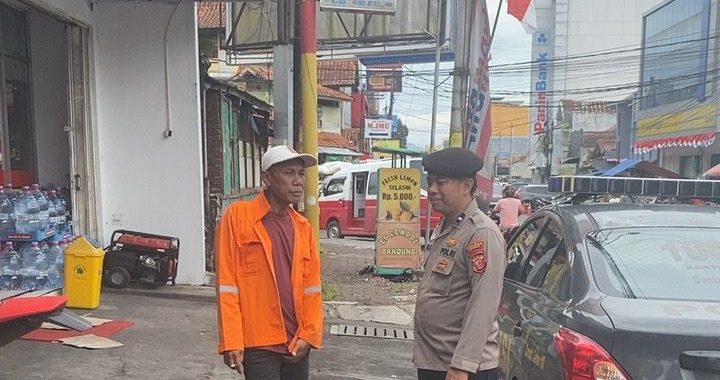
359	6
378	128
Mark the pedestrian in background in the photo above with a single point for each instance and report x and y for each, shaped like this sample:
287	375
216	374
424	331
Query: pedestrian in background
510	208
269	297
456	331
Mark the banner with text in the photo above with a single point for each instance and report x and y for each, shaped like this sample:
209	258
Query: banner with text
397	243
478	123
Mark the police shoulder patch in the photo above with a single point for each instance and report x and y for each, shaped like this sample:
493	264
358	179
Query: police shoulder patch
476	251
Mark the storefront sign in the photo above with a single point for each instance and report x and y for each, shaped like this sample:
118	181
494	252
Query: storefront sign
384	78
378	128
397	242
359	6
702	117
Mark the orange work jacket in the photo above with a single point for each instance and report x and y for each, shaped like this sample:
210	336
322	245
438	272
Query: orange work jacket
249	312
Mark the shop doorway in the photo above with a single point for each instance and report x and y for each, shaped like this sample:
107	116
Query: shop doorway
45	133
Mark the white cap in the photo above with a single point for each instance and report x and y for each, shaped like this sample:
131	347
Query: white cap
281	153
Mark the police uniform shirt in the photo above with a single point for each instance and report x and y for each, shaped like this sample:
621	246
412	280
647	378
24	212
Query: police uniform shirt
459	294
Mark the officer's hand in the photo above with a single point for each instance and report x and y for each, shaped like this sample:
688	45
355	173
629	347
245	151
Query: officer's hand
457	374
234	360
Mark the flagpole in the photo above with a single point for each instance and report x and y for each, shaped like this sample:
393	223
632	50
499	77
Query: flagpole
497	17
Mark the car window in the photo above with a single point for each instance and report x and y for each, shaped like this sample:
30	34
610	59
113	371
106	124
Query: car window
335	186
538	261
557	279
372	184
673	263
520	247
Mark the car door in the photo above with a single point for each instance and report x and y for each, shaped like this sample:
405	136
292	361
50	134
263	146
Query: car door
543	291
332	202
509	310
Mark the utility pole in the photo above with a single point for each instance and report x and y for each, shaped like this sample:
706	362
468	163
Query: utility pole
433	126
392	102
282	84
308	75
511	151
436	80
460	72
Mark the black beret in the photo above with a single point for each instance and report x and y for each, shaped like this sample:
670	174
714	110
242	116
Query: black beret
453	163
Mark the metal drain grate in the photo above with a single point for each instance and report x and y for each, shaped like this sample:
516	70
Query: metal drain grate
372	332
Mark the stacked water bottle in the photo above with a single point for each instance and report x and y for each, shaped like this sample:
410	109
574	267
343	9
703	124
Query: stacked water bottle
34	226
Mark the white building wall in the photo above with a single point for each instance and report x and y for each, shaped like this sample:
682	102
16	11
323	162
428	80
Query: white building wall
149	182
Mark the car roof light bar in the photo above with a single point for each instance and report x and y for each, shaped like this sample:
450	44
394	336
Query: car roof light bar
592	185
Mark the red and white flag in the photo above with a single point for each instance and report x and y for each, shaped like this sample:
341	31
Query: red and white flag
524	10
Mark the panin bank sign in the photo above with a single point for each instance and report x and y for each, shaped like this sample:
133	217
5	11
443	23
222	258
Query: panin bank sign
539	101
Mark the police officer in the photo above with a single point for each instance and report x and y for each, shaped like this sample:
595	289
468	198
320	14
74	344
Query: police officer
455	314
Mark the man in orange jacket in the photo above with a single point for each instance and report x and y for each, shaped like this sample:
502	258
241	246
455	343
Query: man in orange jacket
268	276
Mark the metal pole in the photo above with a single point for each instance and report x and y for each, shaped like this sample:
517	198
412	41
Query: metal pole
511	148
433	125
497	16
436	80
308	77
460	72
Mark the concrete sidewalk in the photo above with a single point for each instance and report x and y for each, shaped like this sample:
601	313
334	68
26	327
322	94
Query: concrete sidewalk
400	314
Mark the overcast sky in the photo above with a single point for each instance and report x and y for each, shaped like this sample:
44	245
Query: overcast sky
414	104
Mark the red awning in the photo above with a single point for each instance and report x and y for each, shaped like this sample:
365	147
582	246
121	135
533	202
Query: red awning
696	141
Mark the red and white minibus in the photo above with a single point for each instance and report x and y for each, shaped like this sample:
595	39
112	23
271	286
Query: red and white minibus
348	204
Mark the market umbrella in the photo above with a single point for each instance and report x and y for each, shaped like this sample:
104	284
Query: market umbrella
713	172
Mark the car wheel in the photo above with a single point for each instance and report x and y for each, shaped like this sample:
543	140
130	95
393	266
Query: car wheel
118	277
333	230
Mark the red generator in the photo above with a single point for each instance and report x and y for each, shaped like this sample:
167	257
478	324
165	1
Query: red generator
137	256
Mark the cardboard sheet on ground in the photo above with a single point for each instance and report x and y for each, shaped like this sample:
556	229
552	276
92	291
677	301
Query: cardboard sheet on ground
51	335
94	321
91	341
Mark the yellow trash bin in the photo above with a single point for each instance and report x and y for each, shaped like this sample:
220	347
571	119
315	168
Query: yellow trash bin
83	273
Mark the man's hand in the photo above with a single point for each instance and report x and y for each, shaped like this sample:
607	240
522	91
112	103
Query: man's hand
456	374
301	350
234	360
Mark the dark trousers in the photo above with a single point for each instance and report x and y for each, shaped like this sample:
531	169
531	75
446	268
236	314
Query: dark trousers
266	365
426	374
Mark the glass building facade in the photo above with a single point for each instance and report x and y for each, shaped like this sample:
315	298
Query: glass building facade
674	53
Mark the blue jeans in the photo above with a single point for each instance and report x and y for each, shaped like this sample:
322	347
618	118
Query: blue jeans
266	365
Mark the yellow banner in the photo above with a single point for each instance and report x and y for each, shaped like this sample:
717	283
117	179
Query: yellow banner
702	117
399	196
385	144
397	243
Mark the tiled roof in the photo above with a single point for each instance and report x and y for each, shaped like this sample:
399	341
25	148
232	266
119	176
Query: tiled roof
265	73
607	145
334	140
211	15
591	139
353	136
338	73
330	73
329	93
258	71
